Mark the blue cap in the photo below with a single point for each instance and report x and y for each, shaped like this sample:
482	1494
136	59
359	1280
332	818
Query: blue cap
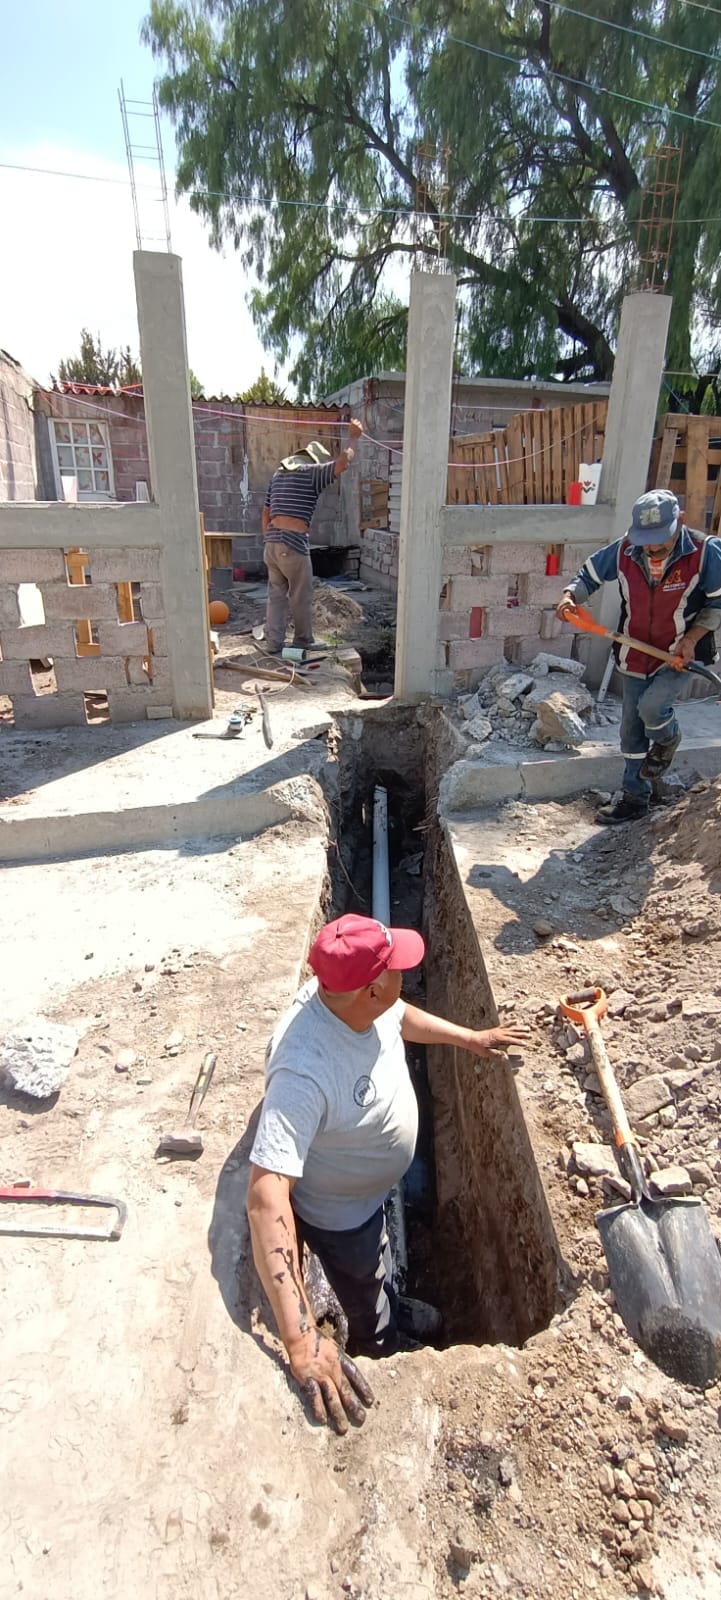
655	517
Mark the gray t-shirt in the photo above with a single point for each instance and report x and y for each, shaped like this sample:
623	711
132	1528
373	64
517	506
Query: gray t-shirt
340	1112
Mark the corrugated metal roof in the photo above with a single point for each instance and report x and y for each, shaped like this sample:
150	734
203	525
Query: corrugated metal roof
135	393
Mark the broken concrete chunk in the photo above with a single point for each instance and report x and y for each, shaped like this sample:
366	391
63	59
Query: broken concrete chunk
555	720
575	695
479	729
511	688
645	1097
544	663
701	1175
37	1058
670	1181
594	1160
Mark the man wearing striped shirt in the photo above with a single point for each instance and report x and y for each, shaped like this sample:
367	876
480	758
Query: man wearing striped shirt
291	499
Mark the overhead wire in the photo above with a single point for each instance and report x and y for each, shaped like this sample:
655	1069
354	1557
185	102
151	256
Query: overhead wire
562	77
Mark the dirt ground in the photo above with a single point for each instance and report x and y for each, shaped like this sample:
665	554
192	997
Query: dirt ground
154	1443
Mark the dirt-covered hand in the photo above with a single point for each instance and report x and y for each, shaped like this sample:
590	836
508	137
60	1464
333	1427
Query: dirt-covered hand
566	607
685	650
355	429
488	1040
336	1391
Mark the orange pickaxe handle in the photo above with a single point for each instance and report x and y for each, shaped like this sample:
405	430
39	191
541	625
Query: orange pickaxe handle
579	617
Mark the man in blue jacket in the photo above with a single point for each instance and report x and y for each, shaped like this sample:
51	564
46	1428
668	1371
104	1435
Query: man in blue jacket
670	584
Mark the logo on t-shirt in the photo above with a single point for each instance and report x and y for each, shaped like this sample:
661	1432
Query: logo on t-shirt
364	1092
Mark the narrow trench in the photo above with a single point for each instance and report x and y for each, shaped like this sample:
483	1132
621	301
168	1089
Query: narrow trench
481	1245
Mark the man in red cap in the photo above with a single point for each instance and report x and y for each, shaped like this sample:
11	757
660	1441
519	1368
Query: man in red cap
337	1131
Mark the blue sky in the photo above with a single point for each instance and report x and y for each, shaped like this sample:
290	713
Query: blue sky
71	241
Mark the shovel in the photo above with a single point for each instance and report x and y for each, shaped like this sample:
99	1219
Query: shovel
663	1260
580	618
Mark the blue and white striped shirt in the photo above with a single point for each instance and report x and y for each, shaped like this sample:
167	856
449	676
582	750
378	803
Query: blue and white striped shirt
296	494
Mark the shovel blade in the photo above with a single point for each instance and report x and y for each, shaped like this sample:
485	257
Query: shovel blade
665	1273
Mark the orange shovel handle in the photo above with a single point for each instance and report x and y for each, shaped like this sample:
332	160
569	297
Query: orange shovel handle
580	618
580	1008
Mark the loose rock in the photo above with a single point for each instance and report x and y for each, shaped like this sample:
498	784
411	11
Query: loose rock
673	1180
645	1097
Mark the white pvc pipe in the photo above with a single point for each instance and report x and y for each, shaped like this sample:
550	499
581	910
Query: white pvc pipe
381	901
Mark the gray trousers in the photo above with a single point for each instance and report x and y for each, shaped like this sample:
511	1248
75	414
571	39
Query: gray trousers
290	587
358	1266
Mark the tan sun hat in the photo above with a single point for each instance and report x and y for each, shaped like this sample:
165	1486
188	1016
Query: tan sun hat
316	452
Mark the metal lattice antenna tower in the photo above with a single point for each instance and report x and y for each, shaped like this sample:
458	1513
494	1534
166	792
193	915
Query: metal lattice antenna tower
148	197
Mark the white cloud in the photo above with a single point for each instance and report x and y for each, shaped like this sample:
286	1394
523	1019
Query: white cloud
67	263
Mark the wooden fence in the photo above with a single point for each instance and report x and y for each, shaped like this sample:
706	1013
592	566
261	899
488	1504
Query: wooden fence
686	457
531	462
538	455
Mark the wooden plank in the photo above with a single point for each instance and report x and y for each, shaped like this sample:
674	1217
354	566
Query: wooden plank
696	474
490	478
716	508
669	440
514	446
557	457
501	449
545	432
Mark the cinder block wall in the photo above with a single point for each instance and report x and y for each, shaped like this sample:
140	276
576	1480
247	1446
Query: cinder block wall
496	600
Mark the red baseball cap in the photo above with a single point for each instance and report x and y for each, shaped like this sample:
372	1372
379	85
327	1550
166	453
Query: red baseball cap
353	951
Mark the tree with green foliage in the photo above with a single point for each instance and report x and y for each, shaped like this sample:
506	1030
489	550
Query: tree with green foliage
299	124
264	392
196	387
115	369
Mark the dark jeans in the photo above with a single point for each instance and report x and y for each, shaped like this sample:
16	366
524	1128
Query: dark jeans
358	1266
648	718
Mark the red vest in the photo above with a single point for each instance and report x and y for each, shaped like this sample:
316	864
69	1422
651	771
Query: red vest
655	613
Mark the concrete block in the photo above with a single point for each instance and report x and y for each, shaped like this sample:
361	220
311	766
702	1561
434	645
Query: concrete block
9	608
453	624
135	673
456	562
474	653
91	601
123	639
524	651
15	678
535	591
31	566
151	602
49	711
516	558
125	565
33	644
158	713
470	784
158	639
130	704
91	674
573	557
442	657
464	593
513	622
481	560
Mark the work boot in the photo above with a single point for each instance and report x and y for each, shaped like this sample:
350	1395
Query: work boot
418	1319
659	758
624	808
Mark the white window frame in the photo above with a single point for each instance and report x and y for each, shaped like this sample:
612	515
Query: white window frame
86	423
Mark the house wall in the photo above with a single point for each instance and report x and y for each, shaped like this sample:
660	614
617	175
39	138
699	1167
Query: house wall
93	562
18	456
237	448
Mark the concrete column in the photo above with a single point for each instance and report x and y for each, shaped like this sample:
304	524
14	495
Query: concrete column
171	446
429	371
630	426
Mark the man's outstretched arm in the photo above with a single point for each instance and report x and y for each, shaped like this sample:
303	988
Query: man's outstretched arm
330	1379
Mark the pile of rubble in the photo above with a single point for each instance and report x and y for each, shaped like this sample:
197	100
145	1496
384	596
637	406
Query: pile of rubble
545	704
